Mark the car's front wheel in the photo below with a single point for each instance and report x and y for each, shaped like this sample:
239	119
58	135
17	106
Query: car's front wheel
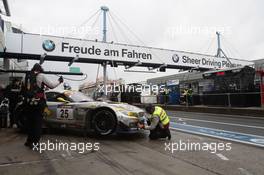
104	122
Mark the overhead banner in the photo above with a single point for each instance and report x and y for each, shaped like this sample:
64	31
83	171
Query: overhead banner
59	48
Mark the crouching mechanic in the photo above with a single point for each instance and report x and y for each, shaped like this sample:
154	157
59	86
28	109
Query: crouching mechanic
35	84
159	123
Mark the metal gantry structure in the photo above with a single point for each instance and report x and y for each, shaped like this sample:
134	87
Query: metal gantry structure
105	10
6	6
65	49
219	49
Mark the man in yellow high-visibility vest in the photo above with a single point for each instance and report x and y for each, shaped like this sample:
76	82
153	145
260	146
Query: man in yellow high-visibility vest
159	123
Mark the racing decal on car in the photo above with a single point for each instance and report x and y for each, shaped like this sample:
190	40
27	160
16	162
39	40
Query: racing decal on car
65	112
47	112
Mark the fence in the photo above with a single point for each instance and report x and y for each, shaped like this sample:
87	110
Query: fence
245	99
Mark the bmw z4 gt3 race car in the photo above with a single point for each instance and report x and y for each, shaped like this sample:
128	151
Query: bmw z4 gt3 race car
74	110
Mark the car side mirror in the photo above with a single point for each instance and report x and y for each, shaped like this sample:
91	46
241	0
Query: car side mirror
62	100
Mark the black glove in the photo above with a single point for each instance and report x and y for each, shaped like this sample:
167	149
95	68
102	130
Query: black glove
148	122
60	79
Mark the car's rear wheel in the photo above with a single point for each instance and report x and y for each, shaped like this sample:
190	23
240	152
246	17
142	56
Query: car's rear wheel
104	122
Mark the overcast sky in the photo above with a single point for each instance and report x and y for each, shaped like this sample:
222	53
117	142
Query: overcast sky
187	25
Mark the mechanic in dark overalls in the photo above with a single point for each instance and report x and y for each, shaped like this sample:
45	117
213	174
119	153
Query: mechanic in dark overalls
4	112
35	84
12	92
3	109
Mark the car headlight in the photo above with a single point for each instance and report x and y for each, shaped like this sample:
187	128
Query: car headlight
134	114
130	114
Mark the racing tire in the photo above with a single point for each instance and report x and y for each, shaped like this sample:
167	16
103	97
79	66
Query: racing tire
104	122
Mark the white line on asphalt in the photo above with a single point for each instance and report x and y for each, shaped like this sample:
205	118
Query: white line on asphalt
244	171
218	115
259	136
219	137
223	123
221	156
27	162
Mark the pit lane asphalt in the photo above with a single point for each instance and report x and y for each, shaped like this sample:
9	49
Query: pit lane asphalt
126	154
247	125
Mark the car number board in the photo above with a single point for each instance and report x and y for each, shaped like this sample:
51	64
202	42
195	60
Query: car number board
65	112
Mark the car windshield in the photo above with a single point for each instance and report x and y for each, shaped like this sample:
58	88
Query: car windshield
77	96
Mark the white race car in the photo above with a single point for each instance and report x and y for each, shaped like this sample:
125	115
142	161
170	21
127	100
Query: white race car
74	110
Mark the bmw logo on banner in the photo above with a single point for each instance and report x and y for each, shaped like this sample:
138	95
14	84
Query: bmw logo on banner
48	45
175	58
